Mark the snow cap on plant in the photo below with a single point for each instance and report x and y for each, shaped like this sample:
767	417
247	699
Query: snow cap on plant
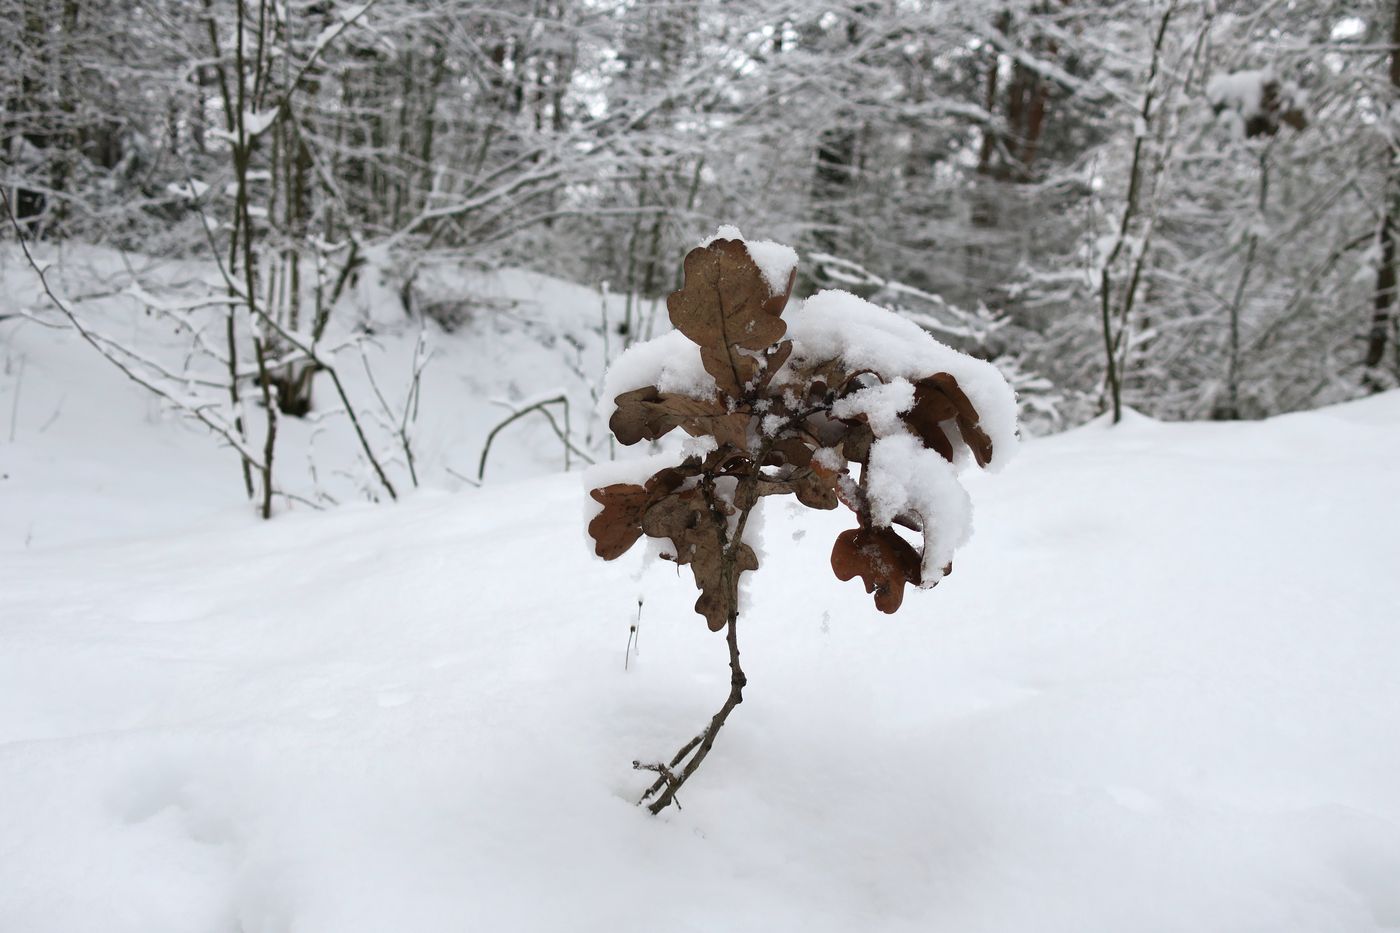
1255	103
838	403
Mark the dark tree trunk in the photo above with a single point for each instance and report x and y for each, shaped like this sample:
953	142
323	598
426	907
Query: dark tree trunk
836	151
1382	308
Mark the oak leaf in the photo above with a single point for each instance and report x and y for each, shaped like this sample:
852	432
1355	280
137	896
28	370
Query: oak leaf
726	309
967	418
925	418
685	518
618	526
648	414
883	560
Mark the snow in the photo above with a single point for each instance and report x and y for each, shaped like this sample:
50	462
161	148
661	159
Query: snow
837	324
774	260
1158	692
881	404
194	189
1239	96
1240	91
670	362
384	718
907	478
522	335
256	123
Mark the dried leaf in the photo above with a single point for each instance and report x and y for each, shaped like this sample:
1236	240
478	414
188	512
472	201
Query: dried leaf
815	487
631	421
714	595
931	408
967	418
618	526
725	308
702	417
773	359
789	451
883	560
648	414
822	379
684	517
675	516
855	444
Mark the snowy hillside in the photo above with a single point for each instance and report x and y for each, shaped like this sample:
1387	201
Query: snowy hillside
1157	694
84	453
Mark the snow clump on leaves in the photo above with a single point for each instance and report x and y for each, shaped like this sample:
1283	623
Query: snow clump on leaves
840	402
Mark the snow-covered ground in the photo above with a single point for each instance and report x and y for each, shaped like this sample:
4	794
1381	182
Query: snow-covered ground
1158	693
86	454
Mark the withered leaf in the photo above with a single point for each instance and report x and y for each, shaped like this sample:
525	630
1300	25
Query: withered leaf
855	444
773	359
647	414
789	451
701	417
631	421
968	419
669	479
618	526
714	594
931	408
815	487
822	378
684	517
675	516
881	558
725	308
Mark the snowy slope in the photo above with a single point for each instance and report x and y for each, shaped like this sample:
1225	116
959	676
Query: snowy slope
1158	693
86	454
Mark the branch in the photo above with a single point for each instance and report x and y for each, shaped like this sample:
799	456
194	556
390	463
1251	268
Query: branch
199	412
540	407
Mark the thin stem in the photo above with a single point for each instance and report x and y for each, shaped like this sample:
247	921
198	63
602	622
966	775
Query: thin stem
700	745
515	416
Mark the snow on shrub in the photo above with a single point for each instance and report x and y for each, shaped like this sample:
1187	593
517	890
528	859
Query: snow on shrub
842	403
1254	103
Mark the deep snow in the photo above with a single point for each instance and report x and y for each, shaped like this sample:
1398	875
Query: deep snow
1158	693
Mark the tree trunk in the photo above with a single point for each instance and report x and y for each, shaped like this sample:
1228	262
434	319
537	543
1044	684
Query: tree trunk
1381	313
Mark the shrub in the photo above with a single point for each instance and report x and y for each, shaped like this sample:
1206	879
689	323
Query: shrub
778	407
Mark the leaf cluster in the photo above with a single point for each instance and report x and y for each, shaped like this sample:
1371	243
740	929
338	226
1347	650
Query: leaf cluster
767	428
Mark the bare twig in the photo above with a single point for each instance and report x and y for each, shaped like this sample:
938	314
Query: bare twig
539	406
200	413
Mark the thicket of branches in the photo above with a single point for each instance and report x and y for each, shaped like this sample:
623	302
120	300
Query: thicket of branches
1059	162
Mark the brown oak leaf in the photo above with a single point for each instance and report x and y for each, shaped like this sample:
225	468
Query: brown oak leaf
792	451
968	420
815	487
881	558
618	526
684	517
709	577
725	308
647	414
620	523
931	408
